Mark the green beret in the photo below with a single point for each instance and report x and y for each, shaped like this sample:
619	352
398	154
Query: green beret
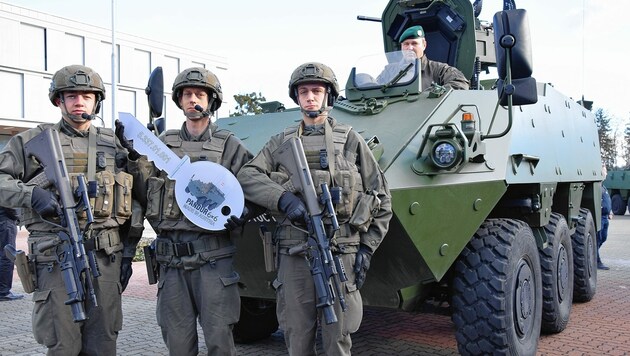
412	32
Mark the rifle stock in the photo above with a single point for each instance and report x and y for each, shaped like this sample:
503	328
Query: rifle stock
75	264
327	270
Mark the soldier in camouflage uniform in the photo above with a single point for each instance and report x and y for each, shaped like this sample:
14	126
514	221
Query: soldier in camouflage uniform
196	280
412	39
363	211
78	91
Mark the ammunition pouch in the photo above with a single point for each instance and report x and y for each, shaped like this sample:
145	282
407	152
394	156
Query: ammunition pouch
104	201
113	195
122	195
161	201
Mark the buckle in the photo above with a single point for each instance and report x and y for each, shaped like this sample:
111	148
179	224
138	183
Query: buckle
183	249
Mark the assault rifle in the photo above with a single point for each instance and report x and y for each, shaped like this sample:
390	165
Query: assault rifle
76	265
327	270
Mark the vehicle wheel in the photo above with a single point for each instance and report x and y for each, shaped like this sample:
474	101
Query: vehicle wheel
258	320
584	242
556	262
497	291
618	205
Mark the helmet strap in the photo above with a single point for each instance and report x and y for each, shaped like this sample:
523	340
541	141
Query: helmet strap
198	114
194	115
326	105
64	111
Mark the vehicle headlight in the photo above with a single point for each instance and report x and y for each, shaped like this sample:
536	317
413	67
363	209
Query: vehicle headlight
446	154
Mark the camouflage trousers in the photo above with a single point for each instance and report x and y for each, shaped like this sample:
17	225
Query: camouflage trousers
298	317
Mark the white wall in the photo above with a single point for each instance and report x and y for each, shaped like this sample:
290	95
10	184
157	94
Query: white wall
34	45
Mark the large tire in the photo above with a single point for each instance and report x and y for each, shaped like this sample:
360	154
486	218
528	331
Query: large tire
497	291
618	205
257	322
556	262
584	242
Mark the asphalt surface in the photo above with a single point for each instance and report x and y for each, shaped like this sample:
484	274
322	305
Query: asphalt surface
599	327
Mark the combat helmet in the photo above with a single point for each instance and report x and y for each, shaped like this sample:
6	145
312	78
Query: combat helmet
77	78
202	78
314	72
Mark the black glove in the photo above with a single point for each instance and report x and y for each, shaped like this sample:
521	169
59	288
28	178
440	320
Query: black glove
45	203
293	207
234	222
361	265
125	271
120	133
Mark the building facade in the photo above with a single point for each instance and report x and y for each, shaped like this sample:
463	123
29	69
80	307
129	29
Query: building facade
34	45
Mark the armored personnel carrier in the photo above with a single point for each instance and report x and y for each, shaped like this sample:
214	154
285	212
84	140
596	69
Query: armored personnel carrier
618	184
495	190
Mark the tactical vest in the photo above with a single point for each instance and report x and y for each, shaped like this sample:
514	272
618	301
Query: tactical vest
112	204
163	213
322	164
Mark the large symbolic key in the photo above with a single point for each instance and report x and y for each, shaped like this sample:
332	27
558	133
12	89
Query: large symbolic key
207	193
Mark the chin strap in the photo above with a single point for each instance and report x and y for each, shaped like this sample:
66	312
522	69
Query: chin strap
75	118
314	114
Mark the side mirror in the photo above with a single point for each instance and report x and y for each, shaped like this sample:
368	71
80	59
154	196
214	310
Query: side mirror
155	94
512	34
514	58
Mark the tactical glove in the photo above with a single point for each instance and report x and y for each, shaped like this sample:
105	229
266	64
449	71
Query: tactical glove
361	265
234	222
120	133
45	203
293	208
125	271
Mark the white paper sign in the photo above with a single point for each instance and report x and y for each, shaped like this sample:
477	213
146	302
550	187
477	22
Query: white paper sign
207	193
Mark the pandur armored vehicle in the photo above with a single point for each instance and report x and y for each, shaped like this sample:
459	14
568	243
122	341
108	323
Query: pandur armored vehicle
495	190
618	185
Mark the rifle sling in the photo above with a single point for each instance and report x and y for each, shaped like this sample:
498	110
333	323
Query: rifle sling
91	168
330	151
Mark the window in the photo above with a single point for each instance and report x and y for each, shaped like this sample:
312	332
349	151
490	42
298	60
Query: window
12	94
32	47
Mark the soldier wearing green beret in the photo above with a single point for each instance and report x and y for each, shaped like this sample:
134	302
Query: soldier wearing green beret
413	40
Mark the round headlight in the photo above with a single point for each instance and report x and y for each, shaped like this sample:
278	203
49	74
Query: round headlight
445	154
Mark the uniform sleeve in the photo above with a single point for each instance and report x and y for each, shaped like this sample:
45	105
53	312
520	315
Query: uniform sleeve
235	155
14	193
453	78
141	169
373	183
254	178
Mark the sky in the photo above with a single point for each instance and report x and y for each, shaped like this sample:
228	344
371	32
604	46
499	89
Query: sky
580	46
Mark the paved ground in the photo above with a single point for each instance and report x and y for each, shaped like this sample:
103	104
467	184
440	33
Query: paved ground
600	327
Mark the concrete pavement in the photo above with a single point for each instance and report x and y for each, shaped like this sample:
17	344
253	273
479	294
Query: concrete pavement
600	327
